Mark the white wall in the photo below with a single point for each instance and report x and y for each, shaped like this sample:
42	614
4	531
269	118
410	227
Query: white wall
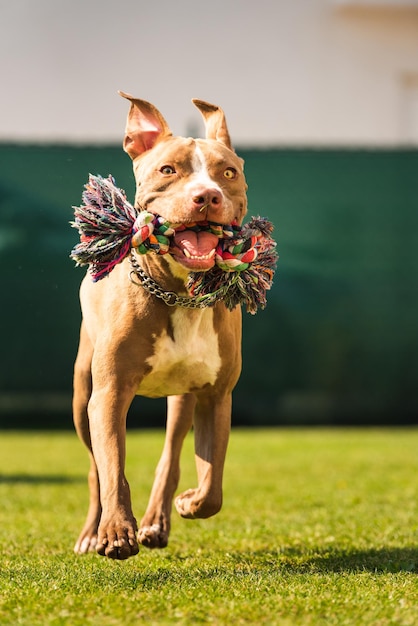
365	75
294	72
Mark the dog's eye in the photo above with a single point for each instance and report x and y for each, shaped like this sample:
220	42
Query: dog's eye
167	170
230	173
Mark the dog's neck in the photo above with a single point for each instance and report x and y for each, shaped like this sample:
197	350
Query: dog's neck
165	271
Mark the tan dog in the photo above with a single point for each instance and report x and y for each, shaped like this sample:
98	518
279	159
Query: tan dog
132	342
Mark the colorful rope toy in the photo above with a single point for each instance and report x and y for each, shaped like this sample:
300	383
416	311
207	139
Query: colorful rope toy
109	226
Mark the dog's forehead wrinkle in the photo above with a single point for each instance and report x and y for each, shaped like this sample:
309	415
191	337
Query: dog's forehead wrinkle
174	150
219	155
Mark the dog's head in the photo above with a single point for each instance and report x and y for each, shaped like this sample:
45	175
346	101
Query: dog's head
186	180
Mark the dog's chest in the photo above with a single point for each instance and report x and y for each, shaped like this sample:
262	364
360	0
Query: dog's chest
186	359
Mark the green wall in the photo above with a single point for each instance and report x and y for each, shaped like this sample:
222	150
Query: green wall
338	342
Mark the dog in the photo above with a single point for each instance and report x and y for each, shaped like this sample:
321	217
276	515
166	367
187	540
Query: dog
136	342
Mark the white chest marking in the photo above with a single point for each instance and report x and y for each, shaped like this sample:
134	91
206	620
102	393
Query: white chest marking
186	361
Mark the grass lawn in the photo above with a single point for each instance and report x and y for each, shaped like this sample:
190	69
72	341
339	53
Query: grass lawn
318	527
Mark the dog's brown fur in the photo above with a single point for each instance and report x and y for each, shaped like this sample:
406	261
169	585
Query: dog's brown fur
133	343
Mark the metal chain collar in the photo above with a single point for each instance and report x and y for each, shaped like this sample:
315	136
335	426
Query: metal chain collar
169	297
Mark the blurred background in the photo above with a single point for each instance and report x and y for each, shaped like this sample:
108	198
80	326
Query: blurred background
321	98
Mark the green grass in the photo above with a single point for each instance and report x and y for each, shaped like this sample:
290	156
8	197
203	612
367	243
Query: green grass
318	527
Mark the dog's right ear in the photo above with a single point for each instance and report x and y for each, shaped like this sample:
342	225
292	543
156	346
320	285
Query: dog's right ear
215	122
145	126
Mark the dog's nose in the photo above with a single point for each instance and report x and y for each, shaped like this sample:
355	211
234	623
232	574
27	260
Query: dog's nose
207	199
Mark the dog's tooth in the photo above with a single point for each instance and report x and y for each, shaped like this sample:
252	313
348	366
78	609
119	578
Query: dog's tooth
199	257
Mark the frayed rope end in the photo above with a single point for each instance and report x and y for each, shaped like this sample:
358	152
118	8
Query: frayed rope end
250	285
105	224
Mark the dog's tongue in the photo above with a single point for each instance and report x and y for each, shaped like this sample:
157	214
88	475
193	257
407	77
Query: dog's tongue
195	250
197	244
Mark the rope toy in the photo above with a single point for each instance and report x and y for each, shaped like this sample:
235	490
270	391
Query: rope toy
109	226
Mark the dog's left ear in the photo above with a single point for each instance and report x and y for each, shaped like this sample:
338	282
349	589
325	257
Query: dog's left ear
145	126
215	122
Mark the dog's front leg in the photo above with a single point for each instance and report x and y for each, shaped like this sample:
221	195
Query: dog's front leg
109	403
212	424
155	525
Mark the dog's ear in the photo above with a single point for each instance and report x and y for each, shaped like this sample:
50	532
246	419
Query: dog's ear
144	127
215	122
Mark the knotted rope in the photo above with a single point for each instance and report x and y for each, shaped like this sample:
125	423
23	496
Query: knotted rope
109	226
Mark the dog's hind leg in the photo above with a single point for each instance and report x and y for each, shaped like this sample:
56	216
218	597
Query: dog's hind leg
155	525
82	391
212	423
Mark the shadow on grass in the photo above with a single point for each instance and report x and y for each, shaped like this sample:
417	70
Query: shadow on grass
263	568
39	479
379	561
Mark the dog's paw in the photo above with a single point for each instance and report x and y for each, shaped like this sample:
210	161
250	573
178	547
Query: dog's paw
153	536
117	541
85	543
87	539
191	505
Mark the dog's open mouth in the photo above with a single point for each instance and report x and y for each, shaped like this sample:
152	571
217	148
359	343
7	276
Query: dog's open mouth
195	250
